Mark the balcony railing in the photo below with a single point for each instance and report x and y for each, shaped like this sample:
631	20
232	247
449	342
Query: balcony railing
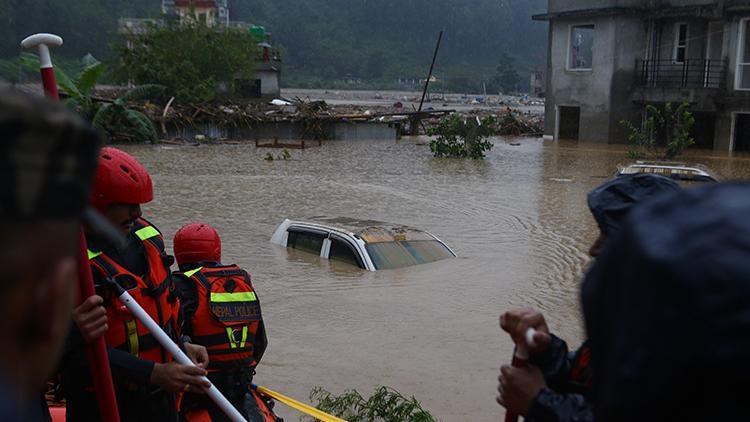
692	73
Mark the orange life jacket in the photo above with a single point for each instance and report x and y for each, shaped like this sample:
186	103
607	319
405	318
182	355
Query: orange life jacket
265	410
227	316
154	292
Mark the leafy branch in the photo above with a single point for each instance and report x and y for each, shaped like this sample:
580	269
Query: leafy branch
457	137
386	405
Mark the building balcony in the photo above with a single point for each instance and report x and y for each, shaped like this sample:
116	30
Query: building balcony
697	81
691	74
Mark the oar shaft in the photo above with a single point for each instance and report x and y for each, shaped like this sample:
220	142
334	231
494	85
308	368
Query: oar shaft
166	342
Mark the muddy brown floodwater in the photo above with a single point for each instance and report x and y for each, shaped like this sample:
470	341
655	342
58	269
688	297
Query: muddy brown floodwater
517	220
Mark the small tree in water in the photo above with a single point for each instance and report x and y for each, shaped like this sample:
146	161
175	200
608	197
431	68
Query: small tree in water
670	127
457	137
386	405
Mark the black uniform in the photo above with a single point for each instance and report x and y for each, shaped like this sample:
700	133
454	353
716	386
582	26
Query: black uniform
568	376
667	310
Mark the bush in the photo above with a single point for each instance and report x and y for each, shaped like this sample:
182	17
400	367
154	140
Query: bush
668	126
386	405
462	138
191	60
115	120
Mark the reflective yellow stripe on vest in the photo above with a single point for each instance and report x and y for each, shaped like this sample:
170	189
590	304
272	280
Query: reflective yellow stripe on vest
147	233
233	297
244	337
233	341
92	254
192	272
132	331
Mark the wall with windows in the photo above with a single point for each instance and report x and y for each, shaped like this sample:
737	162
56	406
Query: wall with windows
591	67
737	49
681	39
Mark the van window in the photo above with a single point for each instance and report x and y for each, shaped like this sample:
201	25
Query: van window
389	255
305	240
344	252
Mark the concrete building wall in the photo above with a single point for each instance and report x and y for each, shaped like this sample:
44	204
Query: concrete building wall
269	83
611	92
631	35
738	101
696	38
588	89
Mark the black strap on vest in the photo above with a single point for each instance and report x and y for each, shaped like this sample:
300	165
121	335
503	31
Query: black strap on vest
211	340
230	364
148	341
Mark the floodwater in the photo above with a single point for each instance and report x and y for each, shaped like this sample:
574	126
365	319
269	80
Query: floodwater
518	221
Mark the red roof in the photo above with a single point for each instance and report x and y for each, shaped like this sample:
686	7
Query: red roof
195	3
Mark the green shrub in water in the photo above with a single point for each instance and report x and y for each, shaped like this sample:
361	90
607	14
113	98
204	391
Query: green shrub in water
666	125
386	405
457	137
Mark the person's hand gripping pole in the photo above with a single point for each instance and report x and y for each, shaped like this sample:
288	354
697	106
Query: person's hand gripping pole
521	360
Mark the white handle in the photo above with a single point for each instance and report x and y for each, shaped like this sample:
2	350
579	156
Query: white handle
178	354
530	337
43	41
522	351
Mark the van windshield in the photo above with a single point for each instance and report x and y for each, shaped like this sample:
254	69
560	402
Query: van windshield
398	254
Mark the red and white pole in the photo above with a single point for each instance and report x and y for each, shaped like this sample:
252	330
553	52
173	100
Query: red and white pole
43	42
96	350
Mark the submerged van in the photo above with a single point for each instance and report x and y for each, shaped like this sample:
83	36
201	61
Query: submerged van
677	171
370	245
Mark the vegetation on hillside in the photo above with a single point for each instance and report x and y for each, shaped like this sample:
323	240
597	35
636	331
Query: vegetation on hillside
325	42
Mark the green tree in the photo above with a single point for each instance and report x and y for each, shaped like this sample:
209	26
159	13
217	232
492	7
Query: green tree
191	60
506	77
457	137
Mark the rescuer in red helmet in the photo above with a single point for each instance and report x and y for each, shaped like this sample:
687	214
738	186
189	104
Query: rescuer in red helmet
145	375
222	313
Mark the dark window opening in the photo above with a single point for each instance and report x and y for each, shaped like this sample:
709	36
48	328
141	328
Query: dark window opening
742	132
344	252
570	119
305	241
703	130
680	43
248	88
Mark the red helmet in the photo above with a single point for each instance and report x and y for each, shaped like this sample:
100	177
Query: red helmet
120	179
197	242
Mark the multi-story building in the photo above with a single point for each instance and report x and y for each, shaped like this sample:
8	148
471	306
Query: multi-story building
608	58
209	12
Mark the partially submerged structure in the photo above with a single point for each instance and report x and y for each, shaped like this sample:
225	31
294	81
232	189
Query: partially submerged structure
608	58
